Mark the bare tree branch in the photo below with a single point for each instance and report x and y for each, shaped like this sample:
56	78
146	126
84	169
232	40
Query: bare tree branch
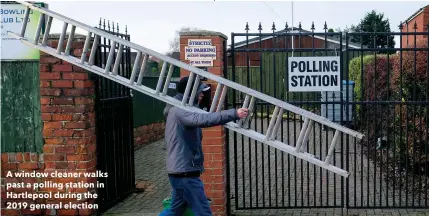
175	42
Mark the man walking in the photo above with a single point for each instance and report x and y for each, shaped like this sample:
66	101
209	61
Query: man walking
185	158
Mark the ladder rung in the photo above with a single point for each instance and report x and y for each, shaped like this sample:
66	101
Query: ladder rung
222	98
24	22
62	36
118	60
216	97
135	68
194	90
39	28
245	105
277	125
161	78
246	101
85	48
70	40
249	116
301	134
110	58
272	122
47	30
93	50
307	135
142	70
167	81
332	146
188	88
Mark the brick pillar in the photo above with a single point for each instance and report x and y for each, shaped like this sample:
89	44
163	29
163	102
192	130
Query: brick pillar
214	143
67	106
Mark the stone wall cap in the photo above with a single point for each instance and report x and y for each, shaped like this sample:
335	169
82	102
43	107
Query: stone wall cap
204	33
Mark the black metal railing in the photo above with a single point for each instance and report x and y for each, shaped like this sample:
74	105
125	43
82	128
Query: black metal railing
114	124
384	95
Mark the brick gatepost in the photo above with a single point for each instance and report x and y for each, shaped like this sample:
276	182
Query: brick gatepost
67	109
214	142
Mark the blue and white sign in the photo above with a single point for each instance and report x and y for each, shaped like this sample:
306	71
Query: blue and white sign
201	63
200	53
199	42
172	85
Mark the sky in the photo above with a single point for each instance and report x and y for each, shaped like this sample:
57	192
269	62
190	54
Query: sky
153	23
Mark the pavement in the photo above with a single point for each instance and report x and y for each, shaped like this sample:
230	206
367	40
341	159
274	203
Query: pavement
151	176
309	188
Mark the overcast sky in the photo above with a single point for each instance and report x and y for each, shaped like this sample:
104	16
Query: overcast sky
153	24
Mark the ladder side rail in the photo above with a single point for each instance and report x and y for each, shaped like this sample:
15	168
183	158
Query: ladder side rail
197	71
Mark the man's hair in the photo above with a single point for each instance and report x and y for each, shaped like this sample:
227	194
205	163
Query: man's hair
181	86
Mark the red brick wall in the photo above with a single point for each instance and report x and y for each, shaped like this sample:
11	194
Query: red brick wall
67	107
422	21
21	161
214	143
147	134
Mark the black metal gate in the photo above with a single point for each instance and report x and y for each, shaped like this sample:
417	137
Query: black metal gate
114	125
386	99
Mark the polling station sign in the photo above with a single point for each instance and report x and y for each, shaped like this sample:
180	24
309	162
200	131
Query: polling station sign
309	74
200	53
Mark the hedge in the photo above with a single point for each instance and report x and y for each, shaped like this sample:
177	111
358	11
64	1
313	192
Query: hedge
373	86
413	119
355	72
385	80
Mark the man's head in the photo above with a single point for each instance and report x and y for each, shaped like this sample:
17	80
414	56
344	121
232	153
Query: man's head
181	86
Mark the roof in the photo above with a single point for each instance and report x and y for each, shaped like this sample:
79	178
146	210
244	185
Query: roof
176	55
151	58
415	14
328	38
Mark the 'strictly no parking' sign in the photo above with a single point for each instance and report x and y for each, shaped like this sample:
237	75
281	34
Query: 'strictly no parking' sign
307	74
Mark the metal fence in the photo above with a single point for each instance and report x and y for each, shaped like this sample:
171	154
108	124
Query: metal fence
385	95
114	121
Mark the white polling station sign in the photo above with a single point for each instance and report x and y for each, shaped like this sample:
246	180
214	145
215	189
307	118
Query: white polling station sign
307	74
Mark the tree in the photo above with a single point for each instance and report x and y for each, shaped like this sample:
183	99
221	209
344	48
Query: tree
347	29
175	43
330	30
373	22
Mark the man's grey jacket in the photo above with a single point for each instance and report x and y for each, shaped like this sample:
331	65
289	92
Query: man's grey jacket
183	135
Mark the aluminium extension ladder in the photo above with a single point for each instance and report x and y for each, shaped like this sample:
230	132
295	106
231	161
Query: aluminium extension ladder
160	92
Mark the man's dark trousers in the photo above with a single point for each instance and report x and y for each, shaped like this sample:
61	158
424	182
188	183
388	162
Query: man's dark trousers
188	191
